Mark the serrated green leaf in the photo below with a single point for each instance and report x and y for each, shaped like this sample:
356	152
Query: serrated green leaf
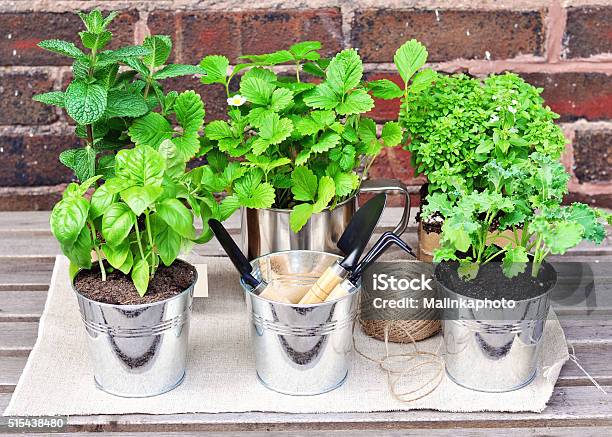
344	71
85	102
303	156
256	91
411	56
467	270
97	41
358	102
150	130
391	134
82	161
587	218
62	47
252	193
422	80
322	97
304	185
327	141
325	193
260	73
301	49
275	129
385	89
55	98
281	98
346	183
216	69
177	70
515	261
563	236
125	104
299	216
142	164
160	47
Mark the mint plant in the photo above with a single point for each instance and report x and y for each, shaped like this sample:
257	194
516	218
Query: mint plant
288	143
104	100
136	220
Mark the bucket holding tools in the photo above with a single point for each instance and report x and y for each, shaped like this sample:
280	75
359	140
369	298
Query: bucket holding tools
300	349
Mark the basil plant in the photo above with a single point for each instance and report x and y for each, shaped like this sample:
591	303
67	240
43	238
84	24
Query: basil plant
289	142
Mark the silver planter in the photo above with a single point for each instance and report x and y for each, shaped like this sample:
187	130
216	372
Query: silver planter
138	350
300	349
497	349
266	231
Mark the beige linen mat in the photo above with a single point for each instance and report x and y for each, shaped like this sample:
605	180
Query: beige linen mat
57	379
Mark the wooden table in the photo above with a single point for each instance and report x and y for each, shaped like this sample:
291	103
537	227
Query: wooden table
27	251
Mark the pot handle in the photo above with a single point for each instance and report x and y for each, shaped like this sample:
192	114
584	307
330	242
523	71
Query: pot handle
390	186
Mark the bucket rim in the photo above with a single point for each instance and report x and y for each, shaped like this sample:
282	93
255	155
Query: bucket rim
133	307
534	298
249	290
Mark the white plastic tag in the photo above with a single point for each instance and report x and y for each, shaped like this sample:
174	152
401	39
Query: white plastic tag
201	286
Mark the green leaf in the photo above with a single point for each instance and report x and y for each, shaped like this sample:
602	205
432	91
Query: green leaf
218	129
346	183
62	47
125	104
177	216
299	216
117	223
304	185
142	164
168	243
141	198
85	102
367	131
117	255
385	89
587	217
515	261
344	71
150	130
216	69
301	49
190	112
422	80
252	193
457	230
55	98
358	102
391	134
175	165
327	141
176	70
81	161
467	270
79	253
326	192
273	130
281	98
411	56
256	91
160	47
140	276
96	41
563	236
68	219
127	265
101	199
322	97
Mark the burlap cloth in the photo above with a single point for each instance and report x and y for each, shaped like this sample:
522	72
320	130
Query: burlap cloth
57	379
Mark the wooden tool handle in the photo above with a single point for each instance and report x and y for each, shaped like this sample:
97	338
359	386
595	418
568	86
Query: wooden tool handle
324	285
338	292
271	293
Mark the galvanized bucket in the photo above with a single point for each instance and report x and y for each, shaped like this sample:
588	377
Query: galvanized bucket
267	230
497	349
300	349
138	350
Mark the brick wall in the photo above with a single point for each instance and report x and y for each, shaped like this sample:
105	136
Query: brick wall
563	46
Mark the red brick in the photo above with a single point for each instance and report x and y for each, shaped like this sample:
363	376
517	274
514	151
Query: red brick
30	198
588	31
576	95
210	33
267	31
22	31
16	104
593	155
33	160
394	163
504	34
164	23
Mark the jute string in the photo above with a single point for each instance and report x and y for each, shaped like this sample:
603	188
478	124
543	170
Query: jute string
408	363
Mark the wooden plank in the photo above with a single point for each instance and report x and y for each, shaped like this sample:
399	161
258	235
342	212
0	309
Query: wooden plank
17	338
10	370
21	306
26	274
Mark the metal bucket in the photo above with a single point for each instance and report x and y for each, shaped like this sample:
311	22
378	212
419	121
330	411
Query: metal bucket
266	231
300	349
496	350
138	350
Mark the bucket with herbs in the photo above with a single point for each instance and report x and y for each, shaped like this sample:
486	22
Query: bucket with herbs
124	224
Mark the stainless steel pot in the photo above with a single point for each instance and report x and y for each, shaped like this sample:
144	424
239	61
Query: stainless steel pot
265	231
138	350
300	349
496	349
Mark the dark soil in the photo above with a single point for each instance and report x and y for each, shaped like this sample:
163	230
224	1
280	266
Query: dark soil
433	223
491	283
119	290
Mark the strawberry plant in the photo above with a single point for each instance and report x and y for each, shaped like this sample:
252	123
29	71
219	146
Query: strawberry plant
104	101
291	143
